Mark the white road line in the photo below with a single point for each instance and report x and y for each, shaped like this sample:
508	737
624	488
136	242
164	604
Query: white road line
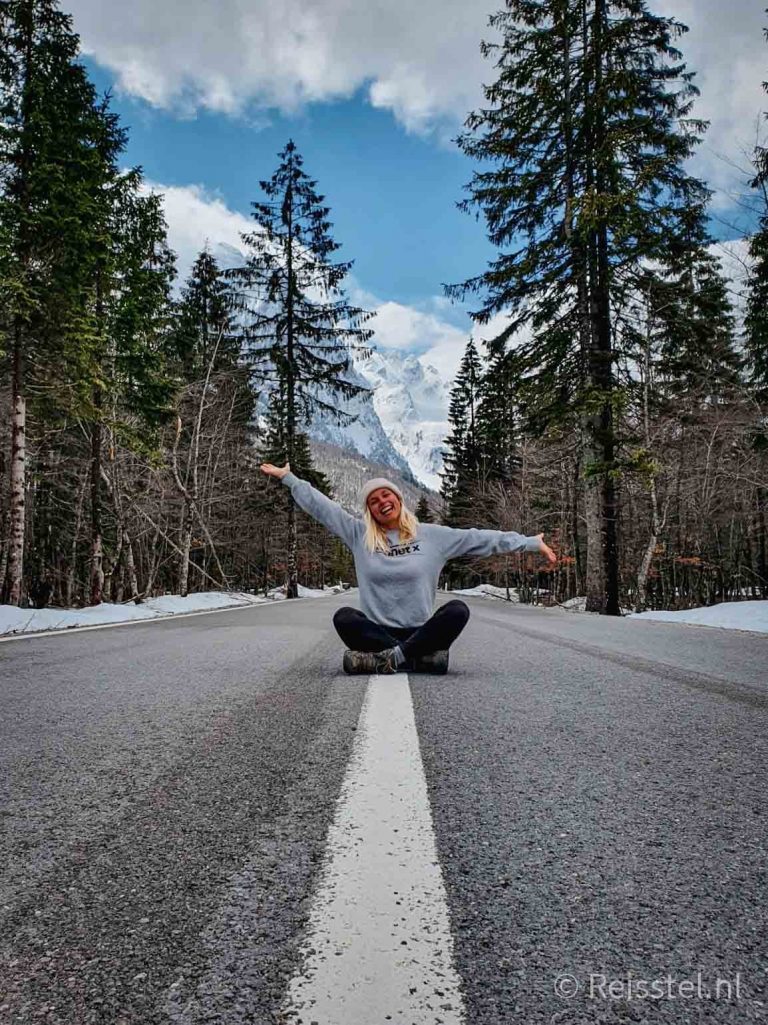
379	947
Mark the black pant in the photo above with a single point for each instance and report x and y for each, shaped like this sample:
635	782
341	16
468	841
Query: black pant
438	633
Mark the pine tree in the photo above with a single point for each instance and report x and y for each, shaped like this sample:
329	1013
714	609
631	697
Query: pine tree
463	469
126	270
50	132
299	327
587	128
693	319
134	391
422	512
756	319
756	338
204	321
498	418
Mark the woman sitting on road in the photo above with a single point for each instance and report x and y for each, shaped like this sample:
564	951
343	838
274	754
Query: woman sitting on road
398	562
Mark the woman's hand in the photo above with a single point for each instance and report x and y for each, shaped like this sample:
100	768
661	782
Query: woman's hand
275	471
546	550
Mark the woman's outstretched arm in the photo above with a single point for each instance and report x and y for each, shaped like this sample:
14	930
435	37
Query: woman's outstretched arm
456	541
319	506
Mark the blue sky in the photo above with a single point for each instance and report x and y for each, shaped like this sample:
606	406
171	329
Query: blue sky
392	193
372	94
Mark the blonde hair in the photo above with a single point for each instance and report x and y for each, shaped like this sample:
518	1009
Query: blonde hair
376	535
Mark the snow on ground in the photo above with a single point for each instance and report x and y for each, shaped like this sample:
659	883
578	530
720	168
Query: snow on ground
580	605
732	615
491	591
16	621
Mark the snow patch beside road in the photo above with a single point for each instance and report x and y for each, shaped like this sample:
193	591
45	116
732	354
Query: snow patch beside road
729	615
14	620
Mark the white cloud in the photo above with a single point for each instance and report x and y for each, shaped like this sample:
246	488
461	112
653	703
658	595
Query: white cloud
726	49
425	331
422	61
197	218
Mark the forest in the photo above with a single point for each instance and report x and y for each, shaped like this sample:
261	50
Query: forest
622	409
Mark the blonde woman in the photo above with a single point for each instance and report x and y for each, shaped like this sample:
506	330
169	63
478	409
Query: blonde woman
398	562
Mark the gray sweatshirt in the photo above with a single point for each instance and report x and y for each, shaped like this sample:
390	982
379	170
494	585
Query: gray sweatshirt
397	588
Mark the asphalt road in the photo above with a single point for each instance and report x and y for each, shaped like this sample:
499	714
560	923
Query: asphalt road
598	790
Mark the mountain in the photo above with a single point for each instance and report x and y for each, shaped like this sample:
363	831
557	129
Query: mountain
400	423
411	401
347	470
399	419
366	435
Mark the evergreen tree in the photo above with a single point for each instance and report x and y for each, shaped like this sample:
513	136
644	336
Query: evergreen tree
422	512
693	320
298	326
587	130
756	320
204	321
134	388
463	466
50	135
756	339
498	419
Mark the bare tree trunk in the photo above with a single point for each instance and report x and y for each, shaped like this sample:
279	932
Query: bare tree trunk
153	567
110	565
69	587
578	555
130	567
186	545
594	582
657	525
762	566
16	516
189	490
3	556
292	578
657	522
97	544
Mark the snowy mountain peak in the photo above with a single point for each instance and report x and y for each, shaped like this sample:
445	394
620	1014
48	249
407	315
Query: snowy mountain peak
411	401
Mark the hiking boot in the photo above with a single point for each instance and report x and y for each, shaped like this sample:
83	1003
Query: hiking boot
435	662
370	662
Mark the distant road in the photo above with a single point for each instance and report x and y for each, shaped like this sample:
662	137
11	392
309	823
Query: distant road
578	808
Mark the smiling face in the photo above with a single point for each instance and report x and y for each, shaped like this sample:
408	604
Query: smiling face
385	506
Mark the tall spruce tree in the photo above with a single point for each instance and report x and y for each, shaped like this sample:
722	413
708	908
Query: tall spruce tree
756	338
298	326
756	320
498	417
204	322
50	133
693	321
134	388
587	130
463	459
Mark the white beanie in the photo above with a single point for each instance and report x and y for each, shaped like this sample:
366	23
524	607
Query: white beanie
377	482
